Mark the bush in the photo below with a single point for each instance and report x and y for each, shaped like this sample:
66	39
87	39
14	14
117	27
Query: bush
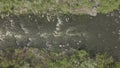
33	57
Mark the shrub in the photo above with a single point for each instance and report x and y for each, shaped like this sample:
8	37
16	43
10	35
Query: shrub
33	57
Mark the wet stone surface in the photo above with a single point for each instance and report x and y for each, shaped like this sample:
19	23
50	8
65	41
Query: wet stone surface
95	34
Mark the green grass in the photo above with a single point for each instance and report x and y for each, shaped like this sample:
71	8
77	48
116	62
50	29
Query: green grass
33	57
52	6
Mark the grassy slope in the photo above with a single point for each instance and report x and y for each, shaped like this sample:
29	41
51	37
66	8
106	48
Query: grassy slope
58	6
35	58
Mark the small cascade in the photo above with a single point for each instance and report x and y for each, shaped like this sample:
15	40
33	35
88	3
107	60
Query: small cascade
57	32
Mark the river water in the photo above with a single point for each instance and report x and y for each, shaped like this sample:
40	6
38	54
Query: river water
63	32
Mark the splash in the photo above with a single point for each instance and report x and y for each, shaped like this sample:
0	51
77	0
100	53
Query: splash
57	31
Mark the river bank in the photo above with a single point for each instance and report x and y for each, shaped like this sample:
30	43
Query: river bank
35	58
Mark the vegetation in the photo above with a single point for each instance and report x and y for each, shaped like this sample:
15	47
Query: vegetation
35	58
56	6
108	5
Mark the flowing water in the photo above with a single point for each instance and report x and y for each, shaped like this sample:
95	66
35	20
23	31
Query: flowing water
63	32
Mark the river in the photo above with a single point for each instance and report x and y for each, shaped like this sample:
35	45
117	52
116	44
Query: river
95	34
